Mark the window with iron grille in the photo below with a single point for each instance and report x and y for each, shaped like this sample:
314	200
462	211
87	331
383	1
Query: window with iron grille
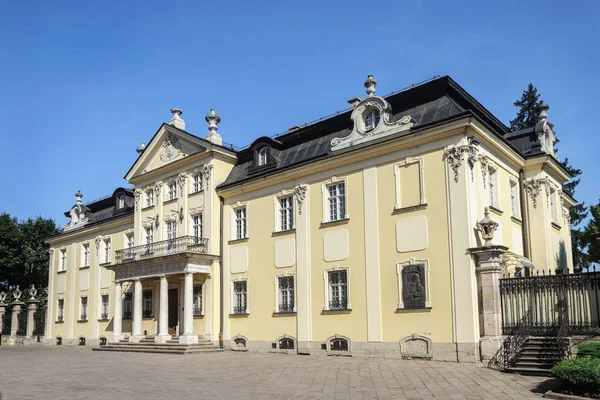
127	306
239	297
286	344
197	227
86	255
149	197
197	183
286	293
338	344
336	201
107	250
63	260
172	191
197	300
147	303
104	307
338	290
84	311
60	314
286	213
240	223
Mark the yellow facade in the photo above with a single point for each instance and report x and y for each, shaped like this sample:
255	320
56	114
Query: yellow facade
363	250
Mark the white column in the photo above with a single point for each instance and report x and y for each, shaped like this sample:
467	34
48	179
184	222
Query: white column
163	312
188	311
136	330
118	314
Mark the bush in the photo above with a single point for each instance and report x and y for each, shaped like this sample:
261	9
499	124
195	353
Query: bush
590	349
581	372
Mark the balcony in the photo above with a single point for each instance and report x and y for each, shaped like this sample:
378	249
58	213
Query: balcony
180	245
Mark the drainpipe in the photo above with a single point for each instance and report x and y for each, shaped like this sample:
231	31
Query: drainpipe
222	281
525	223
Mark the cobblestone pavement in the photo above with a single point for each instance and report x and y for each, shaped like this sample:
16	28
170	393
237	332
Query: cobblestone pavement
67	372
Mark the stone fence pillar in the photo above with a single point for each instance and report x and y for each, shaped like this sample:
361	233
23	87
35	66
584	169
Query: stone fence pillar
16	310
2	311
489	270
31	308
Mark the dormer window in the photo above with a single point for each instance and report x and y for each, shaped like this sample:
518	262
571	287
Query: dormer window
263	156
121	202
372	117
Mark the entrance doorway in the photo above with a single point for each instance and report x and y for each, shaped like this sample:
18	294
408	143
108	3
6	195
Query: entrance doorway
173	310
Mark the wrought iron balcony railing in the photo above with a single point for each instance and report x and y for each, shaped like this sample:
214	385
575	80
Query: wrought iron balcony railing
183	244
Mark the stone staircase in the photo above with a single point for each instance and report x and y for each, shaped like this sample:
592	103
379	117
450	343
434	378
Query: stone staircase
147	345
537	357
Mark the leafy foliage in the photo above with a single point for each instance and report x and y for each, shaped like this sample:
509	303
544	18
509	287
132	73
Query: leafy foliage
591	230
589	349
23	252
581	372
530	108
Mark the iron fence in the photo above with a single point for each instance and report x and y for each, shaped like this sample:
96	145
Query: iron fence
544	296
183	244
6	323
22	323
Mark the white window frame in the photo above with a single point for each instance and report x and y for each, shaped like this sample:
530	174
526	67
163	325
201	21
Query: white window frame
83	307
197	185
63	260
406	162
199	299
263	156
399	267
374	116
278	293
278	211
148	235
121	202
325	192
107	314
149	197
233	296
234	220
327	291
514	198
145	303
552	203
193	226
338	336
171	192
85	255
492	177
60	310
106	251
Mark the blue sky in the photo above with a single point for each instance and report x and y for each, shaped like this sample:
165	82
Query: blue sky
83	83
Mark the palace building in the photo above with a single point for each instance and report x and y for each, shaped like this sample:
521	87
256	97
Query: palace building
377	231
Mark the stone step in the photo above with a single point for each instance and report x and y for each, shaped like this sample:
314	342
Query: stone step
156	345
539	358
148	349
534	364
529	371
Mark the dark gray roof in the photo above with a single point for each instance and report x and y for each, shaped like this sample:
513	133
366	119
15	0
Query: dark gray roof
526	141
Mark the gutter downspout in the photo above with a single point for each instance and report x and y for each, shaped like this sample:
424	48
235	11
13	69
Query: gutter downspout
525	223
221	244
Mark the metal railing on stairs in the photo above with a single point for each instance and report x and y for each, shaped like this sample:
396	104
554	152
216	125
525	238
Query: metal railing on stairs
509	350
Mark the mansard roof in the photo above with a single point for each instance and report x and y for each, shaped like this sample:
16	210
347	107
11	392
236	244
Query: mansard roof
437	101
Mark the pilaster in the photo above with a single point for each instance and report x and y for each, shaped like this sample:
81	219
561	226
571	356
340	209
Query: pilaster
304	322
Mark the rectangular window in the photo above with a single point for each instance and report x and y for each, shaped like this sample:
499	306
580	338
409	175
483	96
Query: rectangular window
84	305
86	255
286	293
514	203
147	303
107	250
63	260
336	201
149	238
553	205
60	313
197	227
130	243
240	223
171	230
149	197
338	290
240	297
121	202
104	307
197	300
172	190
127	305
197	183
286	213
492	184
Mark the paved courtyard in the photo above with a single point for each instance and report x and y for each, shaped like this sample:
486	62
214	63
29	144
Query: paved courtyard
70	372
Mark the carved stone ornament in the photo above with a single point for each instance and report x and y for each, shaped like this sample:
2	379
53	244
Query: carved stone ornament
181	181
2	297
156	221
32	292
487	227
137	193
17	294
98	241
157	187
171	148
206	171
534	187
484	160
300	196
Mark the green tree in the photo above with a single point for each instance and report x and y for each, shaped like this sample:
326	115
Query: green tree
592	230
24	254
530	107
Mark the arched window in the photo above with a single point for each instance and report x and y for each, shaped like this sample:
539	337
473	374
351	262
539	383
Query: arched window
102	341
338	344
371	117
263	155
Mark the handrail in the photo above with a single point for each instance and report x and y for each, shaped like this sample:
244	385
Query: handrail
512	345
182	244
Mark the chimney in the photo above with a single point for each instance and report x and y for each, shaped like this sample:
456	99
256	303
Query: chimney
78	197
213	119
370	84
176	120
353	102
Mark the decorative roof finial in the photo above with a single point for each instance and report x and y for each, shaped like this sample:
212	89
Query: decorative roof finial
141	148
78	197
176	120
213	119
543	110
370	84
